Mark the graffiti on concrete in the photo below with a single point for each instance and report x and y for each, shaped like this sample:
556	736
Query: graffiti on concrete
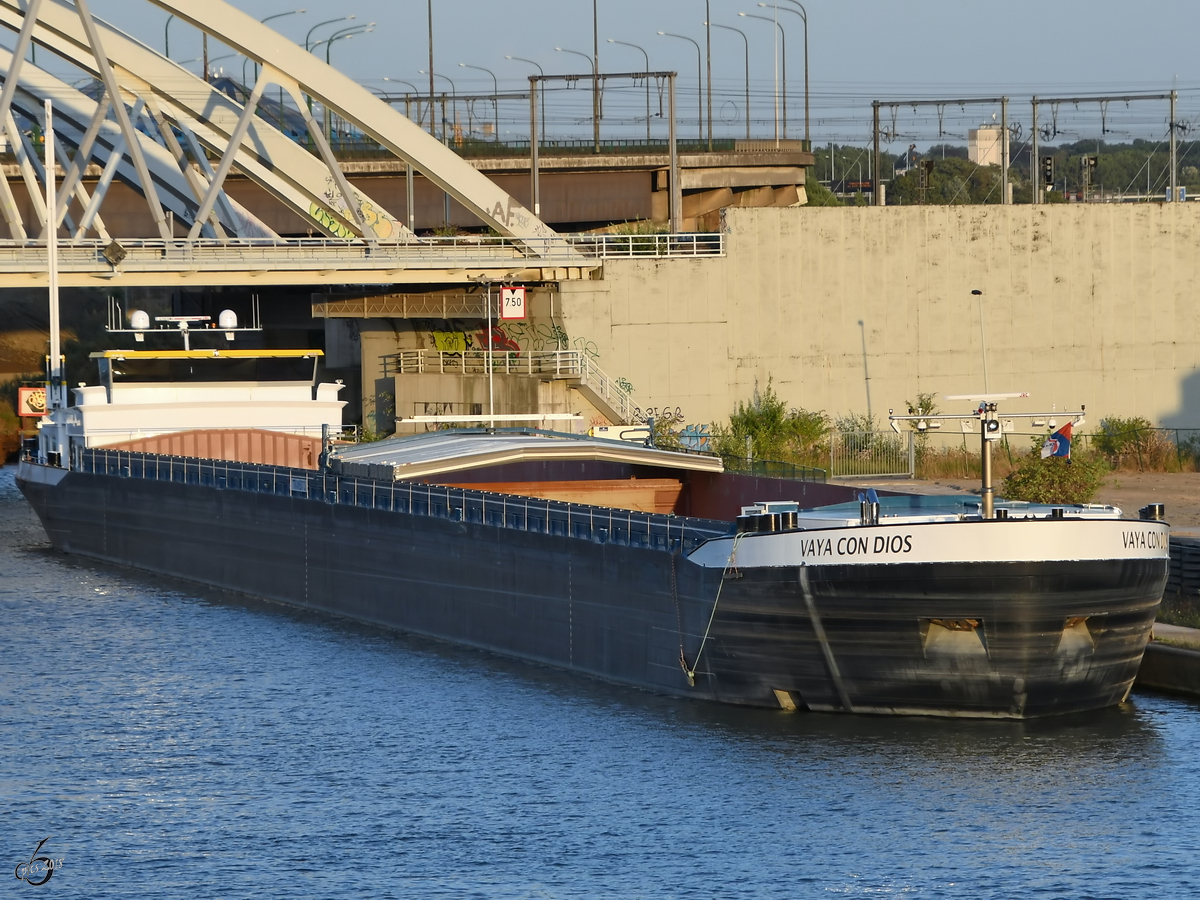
538	335
450	341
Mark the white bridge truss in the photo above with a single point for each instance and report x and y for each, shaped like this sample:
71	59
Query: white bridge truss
174	138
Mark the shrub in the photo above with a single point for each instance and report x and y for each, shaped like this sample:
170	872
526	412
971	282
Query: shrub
1178	610
1127	442
1056	480
775	432
666	432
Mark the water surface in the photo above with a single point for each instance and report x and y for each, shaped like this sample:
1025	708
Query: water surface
175	741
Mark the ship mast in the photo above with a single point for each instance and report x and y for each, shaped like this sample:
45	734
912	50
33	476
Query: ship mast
54	398
991	429
56	394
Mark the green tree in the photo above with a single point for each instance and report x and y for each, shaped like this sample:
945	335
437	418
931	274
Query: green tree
819	195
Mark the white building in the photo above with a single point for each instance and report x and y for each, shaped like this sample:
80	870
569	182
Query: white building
984	145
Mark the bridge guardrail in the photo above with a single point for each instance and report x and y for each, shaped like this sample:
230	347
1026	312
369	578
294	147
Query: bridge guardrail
316	253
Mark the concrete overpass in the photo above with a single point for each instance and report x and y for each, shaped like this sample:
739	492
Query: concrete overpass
176	181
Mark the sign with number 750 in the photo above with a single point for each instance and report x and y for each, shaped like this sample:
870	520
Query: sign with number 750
512	303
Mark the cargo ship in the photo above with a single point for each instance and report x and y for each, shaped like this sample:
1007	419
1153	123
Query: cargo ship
629	563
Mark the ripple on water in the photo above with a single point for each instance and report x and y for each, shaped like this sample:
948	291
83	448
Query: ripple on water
176	741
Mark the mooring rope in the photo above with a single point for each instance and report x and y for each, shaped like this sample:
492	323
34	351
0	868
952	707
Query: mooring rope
690	671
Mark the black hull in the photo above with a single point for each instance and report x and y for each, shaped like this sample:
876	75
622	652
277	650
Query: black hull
628	613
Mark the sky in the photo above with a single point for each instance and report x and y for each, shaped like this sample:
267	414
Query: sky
859	51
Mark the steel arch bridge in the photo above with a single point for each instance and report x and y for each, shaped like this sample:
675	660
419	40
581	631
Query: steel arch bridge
174	138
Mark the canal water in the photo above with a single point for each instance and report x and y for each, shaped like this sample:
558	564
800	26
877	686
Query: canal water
173	741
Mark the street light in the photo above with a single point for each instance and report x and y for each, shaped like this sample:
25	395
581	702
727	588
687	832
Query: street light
167	37
293	12
982	336
495	98
783	42
308	37
453	98
699	82
803	14
542	93
339	35
416	90
217	59
747	42
708	62
595	94
647	55
344	34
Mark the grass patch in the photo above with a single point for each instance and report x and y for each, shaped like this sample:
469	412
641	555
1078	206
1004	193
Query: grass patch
1180	611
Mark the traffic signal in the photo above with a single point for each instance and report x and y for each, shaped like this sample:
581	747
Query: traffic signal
1047	166
925	177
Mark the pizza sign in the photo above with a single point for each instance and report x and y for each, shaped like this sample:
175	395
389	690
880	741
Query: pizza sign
512	303
31	401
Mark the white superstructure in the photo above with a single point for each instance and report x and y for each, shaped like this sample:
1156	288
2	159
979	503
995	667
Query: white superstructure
144	394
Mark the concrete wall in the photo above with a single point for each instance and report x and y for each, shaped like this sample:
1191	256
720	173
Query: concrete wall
856	308
385	394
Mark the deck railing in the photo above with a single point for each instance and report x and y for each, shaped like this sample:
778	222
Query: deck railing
653	531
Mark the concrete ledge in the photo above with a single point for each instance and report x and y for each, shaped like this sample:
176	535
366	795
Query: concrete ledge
1167	668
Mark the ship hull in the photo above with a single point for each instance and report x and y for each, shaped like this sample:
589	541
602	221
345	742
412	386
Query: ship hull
988	639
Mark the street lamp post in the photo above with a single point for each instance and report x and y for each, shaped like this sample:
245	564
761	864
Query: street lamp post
309	46
596	77
445	133
495	98
699	82
746	40
410	204
647	56
408	96
803	14
982	339
783	53
344	34
167	37
595	95
308	37
453	100
218	59
429	16
542	98
292	12
708	63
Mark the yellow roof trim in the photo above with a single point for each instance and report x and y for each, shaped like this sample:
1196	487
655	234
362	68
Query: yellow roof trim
206	354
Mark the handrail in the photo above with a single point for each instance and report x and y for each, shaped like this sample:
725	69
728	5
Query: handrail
293	253
558	364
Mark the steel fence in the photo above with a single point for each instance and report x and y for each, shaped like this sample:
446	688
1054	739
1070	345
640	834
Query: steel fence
871	454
